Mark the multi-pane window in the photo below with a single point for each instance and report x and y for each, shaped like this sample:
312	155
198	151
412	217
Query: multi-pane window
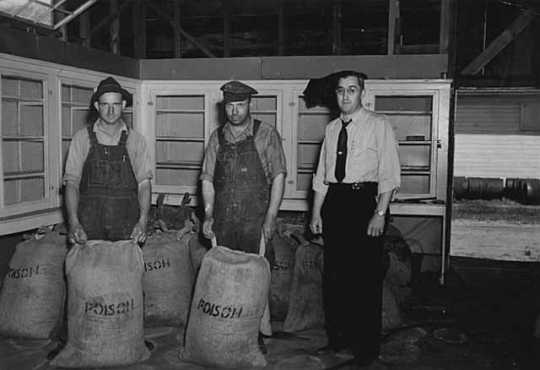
179	130
75	111
412	120
23	135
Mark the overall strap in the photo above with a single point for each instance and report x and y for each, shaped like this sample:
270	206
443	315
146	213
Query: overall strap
123	138
92	135
256	125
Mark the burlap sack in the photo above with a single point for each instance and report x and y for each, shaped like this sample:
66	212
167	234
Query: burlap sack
282	274
105	305
305	303
230	296
168	279
33	292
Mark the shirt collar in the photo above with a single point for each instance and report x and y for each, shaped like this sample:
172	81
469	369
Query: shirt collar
247	131
356	115
100	125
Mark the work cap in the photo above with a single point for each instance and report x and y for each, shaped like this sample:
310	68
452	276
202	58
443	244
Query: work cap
111	85
236	91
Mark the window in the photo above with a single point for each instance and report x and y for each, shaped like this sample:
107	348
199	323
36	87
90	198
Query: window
24	145
75	109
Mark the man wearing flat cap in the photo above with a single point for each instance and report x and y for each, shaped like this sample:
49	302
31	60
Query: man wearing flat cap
108	173
243	175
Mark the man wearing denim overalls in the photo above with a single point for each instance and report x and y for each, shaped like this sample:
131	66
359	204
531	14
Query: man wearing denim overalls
108	173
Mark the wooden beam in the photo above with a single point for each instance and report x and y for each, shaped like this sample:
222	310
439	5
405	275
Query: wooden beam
226	28
139	29
108	19
281	28
114	30
176	29
499	43
190	38
445	22
336	27
393	19
84	29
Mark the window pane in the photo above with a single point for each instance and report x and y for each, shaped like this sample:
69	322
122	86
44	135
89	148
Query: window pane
31	120
184	102
10	87
10	156
415	157
184	177
32	189
32	156
263	103
185	125
179	152
404	103
414	184
9	118
31	90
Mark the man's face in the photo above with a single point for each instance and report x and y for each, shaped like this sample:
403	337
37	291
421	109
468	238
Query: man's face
237	111
110	107
349	94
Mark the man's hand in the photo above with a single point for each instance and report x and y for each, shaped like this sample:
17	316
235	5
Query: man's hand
138	235
376	226
316	224
207	227
77	235
269	227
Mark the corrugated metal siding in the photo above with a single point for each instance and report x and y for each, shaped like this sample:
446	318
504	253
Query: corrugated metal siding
497	155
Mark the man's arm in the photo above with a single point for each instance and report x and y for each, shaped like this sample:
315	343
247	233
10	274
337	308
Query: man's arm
276	195
316	220
208	194
76	232
144	195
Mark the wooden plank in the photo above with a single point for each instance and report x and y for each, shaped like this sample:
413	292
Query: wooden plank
139	29
499	43
495	240
336	27
393	17
84	29
190	38
114	29
226	29
444	26
281	28
176	29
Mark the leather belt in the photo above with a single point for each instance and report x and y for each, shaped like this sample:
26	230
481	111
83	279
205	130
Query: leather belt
366	185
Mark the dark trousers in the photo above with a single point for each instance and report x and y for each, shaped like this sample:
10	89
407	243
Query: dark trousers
353	271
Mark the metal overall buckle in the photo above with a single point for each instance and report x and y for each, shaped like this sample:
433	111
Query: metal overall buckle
356	186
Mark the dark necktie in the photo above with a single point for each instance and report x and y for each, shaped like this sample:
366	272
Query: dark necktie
341	152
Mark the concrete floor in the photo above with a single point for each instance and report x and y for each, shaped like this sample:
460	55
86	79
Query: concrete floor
481	319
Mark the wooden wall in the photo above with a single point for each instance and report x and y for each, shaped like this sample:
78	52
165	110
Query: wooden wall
294	67
497	136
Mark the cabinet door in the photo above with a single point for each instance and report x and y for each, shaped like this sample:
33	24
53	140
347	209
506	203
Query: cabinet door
181	118
308	128
413	114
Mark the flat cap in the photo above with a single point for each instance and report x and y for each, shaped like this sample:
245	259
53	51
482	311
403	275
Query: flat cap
236	91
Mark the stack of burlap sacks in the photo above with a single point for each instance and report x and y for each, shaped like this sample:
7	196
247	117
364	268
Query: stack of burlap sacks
115	289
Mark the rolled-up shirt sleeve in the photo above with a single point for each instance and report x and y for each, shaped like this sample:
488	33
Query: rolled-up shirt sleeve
275	156
319	183
389	169
77	153
209	161
140	157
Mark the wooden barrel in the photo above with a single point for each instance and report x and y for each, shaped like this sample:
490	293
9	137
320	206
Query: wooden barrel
530	191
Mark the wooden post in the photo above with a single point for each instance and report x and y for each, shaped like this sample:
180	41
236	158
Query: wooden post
176	29
281	28
393	19
444	28
84	28
57	18
139	29
115	27
336	27
226	28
